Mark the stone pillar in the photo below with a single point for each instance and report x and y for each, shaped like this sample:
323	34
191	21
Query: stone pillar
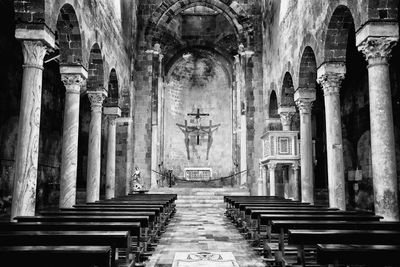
112	114
330	76
156	75
264	180
244	57
34	47
286	113
294	190
73	78
94	152
272	181
377	52
260	181
304	97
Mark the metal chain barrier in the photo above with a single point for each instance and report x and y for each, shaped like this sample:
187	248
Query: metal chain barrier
172	178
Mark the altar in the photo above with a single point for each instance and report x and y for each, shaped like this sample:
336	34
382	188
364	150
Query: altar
198	174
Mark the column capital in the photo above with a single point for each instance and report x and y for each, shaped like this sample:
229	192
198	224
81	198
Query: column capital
156	50
73	77
112	114
377	49
34	52
286	113
96	99
304	105
330	76
271	166
295	166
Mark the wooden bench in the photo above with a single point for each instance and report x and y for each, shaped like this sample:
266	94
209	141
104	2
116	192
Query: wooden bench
133	228
302	238
370	255
114	239
61	256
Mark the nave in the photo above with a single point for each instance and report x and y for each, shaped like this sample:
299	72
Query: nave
205	228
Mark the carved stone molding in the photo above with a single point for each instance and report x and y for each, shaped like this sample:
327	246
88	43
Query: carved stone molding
331	82
377	48
34	52
72	83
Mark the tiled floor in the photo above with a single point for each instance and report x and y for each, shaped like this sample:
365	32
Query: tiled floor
202	230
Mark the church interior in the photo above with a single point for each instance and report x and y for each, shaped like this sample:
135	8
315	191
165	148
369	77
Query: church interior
179	133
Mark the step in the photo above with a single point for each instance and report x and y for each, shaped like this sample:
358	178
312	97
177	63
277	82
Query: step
193	205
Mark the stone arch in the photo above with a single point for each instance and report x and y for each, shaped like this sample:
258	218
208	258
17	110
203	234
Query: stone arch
68	35
308	69
233	12
287	94
96	69
336	39
113	89
273	105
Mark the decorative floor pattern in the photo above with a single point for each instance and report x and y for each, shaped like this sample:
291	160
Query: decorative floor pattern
200	230
215	259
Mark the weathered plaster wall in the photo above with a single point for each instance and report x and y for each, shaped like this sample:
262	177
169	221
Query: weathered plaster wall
200	82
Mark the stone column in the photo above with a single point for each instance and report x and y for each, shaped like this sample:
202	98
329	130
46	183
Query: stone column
330	76
112	114
294	190
377	52
155	83
264	180
260	181
286	113
73	78
272	181
304	97
26	154
94	152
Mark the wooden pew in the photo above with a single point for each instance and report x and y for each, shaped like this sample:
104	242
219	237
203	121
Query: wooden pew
114	239
133	228
60	256
282	227
143	220
370	255
302	238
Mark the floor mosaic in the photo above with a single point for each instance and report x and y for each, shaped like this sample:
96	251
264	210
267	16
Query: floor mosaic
202	230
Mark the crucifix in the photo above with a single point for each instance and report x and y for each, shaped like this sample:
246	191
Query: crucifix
198	116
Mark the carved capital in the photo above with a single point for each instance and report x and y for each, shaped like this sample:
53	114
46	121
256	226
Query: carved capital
377	49
96	99
34	52
286	113
72	83
304	105
112	119
271	166
331	82
295	166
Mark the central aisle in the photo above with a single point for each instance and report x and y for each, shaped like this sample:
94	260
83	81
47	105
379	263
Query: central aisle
202	229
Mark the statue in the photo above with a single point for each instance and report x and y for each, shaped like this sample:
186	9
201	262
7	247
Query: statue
136	182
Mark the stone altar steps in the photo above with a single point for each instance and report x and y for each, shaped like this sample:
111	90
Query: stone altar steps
201	197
